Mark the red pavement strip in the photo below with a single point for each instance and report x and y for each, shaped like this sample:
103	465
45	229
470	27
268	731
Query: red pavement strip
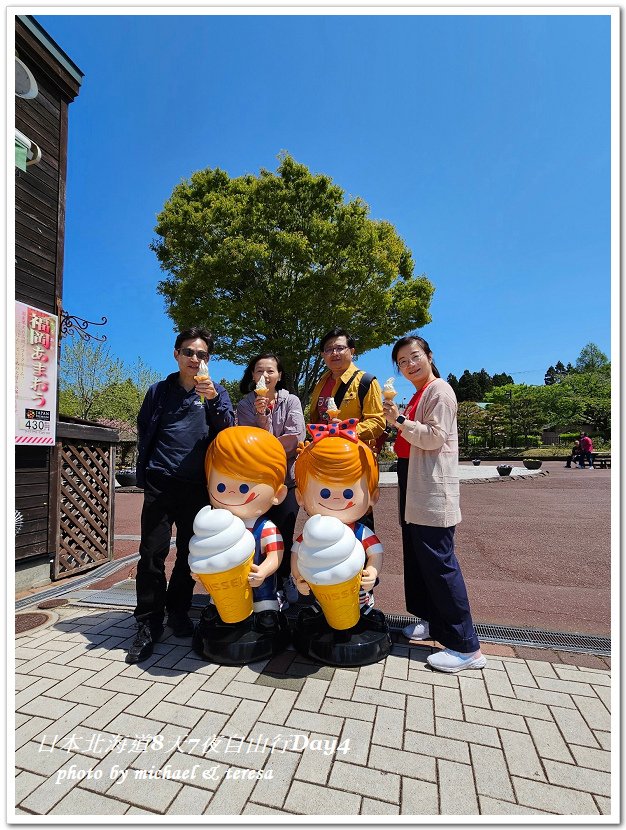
535	552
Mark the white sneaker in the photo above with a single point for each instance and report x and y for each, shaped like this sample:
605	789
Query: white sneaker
417	631
289	587
451	661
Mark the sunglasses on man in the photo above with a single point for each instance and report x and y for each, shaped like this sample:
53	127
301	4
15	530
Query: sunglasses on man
191	352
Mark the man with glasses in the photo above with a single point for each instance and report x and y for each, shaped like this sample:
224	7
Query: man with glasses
178	419
356	393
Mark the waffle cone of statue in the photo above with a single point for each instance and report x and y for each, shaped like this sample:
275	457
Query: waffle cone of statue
331	559
220	555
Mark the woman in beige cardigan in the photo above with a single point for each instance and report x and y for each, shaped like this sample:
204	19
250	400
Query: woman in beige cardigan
428	494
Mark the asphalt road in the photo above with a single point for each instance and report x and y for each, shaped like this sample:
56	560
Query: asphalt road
534	552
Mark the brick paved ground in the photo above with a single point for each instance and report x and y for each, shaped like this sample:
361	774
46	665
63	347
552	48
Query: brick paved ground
523	737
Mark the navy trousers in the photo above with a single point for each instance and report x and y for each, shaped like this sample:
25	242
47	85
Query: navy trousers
434	587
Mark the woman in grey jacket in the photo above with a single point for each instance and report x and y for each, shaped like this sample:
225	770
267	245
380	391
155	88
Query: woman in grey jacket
428	494
280	413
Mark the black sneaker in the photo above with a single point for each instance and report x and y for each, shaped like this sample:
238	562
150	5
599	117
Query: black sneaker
143	644
267	621
181	624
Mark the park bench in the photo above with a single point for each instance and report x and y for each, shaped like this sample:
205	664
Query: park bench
602	460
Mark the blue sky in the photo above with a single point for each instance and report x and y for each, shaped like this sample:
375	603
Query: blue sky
485	140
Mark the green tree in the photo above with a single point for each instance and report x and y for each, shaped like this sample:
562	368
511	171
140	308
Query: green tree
96	385
591	359
493	424
555	374
271	262
550	376
524	406
469	388
234	392
592	393
454	383
119	401
86	369
468	418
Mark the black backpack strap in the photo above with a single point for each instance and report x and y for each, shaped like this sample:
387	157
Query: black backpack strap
364	386
342	389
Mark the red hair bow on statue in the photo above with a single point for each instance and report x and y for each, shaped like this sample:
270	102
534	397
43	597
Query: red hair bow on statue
345	429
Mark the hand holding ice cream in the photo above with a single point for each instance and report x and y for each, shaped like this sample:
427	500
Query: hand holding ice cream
261	390
332	410
203	375
330	558
389	391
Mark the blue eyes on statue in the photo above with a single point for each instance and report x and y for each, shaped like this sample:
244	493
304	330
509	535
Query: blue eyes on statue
325	493
243	488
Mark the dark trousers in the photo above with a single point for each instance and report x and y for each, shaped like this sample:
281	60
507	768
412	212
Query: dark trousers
284	516
434	587
586	456
166	502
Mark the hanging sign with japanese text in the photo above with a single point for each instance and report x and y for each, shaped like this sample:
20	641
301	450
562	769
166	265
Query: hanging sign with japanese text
36	342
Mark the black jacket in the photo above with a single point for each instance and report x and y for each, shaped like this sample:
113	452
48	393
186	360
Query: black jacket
219	415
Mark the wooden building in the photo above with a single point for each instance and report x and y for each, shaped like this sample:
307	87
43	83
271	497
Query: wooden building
63	497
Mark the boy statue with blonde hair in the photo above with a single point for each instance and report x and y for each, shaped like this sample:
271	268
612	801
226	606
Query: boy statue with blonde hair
336	556
245	472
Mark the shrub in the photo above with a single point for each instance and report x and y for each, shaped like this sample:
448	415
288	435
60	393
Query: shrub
529	440
387	454
553	451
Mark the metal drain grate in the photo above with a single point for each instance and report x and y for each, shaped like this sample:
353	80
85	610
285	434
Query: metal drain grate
93	576
124	595
531	637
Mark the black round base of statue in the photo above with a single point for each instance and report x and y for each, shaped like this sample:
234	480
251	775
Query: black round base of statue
258	637
367	642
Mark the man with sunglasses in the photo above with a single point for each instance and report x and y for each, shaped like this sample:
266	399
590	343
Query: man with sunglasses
178	420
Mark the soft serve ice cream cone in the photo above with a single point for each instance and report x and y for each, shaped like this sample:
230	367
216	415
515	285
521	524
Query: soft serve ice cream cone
261	389
389	391
220	554
332	410
203	374
330	559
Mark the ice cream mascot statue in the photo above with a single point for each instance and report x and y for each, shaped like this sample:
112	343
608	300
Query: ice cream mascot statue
235	550
337	557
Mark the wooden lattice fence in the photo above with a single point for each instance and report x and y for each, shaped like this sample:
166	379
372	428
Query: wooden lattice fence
86	484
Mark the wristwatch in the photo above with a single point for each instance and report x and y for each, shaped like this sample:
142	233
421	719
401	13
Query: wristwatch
400	419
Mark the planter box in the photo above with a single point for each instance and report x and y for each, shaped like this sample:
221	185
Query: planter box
126	479
532	463
504	469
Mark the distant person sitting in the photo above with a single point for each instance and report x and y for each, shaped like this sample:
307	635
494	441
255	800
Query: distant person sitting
586	448
574	456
